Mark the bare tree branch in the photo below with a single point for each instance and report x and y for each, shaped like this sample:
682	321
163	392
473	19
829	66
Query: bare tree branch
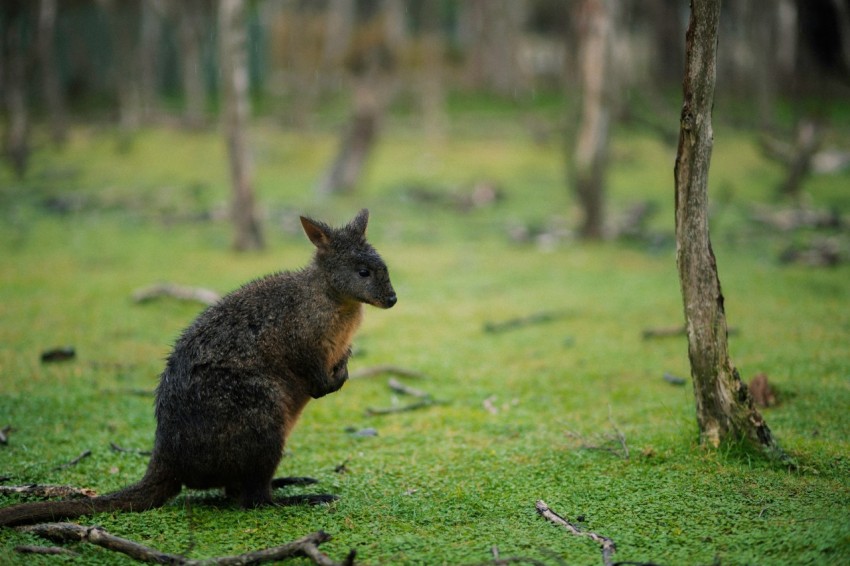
307	546
608	546
47	491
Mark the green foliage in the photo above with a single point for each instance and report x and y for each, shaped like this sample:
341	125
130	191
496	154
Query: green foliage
523	409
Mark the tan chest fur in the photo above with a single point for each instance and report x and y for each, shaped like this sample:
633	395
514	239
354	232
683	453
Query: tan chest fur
344	324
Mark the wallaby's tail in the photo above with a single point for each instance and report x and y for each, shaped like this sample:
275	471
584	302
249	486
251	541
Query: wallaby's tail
154	490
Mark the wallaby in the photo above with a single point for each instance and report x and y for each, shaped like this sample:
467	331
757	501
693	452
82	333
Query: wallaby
242	372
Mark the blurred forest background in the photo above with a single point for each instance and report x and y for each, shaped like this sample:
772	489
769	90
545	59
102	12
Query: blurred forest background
784	69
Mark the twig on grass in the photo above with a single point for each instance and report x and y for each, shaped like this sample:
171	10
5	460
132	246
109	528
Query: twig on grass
614	443
403	389
47	491
607	545
371	411
542	317
307	546
378	370
32	549
180	292
75	461
116	448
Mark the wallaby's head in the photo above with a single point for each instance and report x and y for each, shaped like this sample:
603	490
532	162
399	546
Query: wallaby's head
351	265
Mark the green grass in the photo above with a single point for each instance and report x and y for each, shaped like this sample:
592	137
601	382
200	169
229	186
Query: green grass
444	484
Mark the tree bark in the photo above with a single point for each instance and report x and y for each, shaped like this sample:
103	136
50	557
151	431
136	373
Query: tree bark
191	19
14	17
591	149
234	75
52	84
371	62
725	410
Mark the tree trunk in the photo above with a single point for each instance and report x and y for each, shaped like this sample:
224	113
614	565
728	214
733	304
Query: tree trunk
147	54
725	409
51	82
124	26
491	32
431	90
371	62
234	75
190	14
14	18
591	149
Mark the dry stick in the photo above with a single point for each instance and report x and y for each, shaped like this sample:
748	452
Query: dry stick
47	491
75	461
70	532
198	294
378	370
116	448
608	546
520	322
32	549
403	389
371	411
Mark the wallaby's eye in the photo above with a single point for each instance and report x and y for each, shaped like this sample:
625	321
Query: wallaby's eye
364	272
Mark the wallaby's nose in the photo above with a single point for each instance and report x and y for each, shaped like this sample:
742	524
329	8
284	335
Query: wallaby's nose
391	300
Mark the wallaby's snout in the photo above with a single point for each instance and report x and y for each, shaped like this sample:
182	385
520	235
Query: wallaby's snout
390	301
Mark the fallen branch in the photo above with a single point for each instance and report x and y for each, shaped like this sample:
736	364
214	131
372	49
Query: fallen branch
75	461
116	448
372	412
520	322
180	292
47	491
378	370
403	389
307	546
49	550
607	545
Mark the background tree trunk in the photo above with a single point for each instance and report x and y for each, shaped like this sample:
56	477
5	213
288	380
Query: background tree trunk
725	409
371	61
591	148
54	98
234	75
14	17
191	20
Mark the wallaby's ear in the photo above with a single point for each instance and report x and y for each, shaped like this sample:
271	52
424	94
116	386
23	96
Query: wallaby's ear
360	221
318	233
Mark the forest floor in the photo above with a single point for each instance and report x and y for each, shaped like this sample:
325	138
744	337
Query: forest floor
532	342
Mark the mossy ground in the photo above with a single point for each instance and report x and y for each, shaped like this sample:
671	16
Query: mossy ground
106	215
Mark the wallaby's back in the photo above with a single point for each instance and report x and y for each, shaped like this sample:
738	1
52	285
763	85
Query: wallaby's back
242	372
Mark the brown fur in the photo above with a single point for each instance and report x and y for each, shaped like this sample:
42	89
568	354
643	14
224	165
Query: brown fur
241	374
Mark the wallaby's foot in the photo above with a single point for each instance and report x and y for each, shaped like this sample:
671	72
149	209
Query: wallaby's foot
278	483
309	499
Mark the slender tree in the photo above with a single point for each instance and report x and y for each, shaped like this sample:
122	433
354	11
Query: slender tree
52	84
234	76
191	18
15	27
724	407
591	148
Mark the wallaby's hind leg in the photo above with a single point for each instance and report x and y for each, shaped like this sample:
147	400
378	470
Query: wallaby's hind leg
310	499
250	493
278	483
